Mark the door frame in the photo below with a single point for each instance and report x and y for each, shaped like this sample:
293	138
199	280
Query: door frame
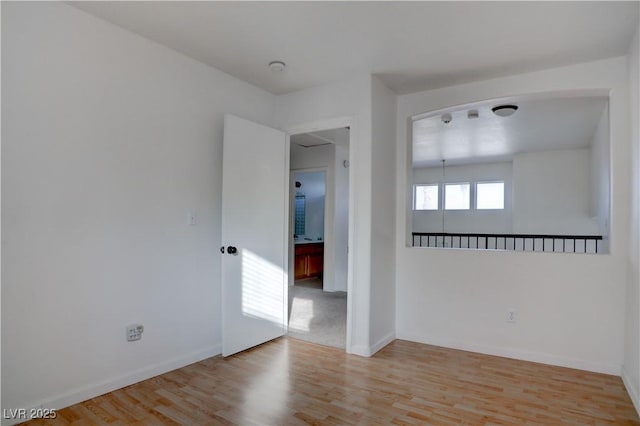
329	193
315	126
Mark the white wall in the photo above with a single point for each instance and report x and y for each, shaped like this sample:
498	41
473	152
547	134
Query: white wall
343	103
570	306
383	116
631	365
599	175
311	158
341	210
480	221
108	139
551	193
314	189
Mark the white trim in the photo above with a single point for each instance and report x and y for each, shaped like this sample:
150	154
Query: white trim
289	240
318	126
631	390
368	351
360	350
438	201
382	342
288	255
444	195
542	358
93	390
475	195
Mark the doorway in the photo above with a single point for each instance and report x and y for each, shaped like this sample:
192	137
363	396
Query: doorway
308	229
319	228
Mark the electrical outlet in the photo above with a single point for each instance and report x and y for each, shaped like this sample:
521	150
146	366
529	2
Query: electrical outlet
134	332
512	315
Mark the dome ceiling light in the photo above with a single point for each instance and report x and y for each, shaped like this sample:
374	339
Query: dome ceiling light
277	66
504	110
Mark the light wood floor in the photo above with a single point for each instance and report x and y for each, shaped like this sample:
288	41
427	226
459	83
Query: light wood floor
290	382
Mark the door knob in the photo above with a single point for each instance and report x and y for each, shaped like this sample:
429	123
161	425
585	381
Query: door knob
232	250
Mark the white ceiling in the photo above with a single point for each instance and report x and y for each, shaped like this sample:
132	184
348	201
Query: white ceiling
411	46
537	125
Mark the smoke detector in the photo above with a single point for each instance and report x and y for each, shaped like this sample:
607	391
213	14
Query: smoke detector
504	110
277	66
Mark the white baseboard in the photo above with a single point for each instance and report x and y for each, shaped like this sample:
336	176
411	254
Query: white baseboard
631	390
368	351
91	391
543	358
382	343
360	350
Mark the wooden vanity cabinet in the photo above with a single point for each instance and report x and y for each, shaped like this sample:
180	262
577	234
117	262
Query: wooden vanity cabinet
309	260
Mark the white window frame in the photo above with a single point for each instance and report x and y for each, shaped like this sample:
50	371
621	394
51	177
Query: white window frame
444	195
437	185
475	197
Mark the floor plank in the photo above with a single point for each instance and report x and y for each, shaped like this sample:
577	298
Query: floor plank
288	381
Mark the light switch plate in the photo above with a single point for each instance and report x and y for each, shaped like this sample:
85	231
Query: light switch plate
192	218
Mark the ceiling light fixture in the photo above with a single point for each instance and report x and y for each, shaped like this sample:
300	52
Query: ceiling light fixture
504	110
277	66
446	118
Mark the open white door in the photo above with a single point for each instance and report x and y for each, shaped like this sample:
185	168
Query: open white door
254	211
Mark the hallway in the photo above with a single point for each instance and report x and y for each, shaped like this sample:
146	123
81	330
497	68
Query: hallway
317	316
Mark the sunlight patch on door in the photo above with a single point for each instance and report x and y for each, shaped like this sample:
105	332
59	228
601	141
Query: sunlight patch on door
262	288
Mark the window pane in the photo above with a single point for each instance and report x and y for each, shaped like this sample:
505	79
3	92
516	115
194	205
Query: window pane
490	195
456	196
426	197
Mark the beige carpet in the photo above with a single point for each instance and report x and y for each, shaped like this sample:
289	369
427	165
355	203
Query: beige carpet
317	316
